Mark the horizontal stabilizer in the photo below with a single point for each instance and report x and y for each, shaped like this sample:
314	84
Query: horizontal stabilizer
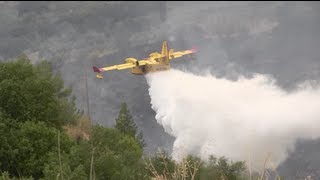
96	69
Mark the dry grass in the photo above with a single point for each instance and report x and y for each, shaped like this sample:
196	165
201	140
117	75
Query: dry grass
188	170
266	174
81	130
184	170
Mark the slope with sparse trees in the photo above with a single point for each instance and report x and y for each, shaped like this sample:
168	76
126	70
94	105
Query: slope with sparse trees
44	136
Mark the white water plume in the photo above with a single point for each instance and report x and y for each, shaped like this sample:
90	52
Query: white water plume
247	119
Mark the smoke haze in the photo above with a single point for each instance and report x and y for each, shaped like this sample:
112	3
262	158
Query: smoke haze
247	119
278	38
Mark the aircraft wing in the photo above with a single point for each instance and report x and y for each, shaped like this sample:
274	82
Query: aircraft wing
177	54
130	63
114	67
122	66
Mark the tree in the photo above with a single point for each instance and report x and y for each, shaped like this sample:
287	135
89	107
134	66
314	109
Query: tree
126	125
222	168
34	106
25	150
52	169
114	155
6	176
34	93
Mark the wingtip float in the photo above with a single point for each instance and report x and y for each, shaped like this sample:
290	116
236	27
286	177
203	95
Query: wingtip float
155	62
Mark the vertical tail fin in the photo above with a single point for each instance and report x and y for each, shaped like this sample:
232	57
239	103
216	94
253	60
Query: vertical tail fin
96	69
165	52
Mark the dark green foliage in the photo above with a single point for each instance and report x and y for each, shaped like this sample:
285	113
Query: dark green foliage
19	70
116	151
222	168
6	176
30	93
105	140
124	122
126	125
33	107
8	138
115	155
25	150
52	169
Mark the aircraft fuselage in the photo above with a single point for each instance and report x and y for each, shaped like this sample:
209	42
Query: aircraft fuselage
154	63
141	70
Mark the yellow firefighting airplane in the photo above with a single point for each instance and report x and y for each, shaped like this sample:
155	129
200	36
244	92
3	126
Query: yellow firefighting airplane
155	62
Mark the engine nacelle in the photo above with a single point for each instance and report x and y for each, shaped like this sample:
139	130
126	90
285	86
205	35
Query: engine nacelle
155	55
132	60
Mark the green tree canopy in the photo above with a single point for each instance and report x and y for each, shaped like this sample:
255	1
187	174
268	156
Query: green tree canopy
126	125
34	106
112	154
33	93
24	150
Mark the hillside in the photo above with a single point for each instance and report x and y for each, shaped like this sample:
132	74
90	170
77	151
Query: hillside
278	38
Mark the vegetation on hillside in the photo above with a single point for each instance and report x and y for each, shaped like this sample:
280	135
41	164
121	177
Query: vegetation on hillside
43	136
